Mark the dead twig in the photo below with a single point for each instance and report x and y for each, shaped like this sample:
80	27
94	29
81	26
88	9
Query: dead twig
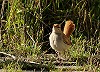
12	56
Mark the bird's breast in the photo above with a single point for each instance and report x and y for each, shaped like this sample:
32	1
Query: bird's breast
56	42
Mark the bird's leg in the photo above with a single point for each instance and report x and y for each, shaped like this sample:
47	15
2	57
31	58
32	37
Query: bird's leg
57	54
65	54
60	58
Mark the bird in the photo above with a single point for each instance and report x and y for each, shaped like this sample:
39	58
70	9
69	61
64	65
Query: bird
59	40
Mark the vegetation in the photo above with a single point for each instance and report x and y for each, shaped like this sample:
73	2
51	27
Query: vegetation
26	25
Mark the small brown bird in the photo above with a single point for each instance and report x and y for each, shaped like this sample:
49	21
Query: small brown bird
59	40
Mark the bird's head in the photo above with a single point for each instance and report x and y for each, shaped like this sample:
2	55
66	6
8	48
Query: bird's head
57	28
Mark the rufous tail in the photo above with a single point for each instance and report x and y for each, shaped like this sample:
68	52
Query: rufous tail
69	28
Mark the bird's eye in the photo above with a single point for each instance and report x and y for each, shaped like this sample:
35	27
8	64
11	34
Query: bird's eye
58	27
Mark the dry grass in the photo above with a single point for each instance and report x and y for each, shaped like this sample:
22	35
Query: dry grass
26	24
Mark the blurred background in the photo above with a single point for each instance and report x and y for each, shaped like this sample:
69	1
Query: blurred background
26	25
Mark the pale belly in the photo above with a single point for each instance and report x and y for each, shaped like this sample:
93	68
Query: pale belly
56	42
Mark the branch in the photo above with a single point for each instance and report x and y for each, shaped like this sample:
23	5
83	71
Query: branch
12	56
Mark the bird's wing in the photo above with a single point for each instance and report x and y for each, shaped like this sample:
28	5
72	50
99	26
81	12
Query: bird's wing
66	40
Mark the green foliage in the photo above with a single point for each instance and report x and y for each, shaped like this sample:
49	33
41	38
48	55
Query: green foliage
28	23
12	67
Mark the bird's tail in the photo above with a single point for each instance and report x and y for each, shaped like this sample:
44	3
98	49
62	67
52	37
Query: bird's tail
69	28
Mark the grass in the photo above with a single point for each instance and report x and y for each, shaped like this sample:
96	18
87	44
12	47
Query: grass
25	27
12	68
